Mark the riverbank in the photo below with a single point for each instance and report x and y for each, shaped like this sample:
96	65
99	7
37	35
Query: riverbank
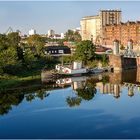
11	81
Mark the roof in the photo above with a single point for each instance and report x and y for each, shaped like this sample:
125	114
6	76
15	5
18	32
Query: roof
90	17
57	47
102	49
110	10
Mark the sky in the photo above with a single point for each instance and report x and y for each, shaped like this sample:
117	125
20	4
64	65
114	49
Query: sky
58	15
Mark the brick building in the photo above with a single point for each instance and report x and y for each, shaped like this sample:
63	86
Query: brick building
122	32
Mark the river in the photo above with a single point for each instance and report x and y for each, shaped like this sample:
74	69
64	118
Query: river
101	106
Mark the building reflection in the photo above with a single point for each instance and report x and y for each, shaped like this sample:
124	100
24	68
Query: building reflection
109	84
108	88
74	82
130	91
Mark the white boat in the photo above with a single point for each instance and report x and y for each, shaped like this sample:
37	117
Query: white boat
76	68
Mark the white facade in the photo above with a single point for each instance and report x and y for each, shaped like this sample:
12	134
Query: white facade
32	32
58	36
62	35
90	28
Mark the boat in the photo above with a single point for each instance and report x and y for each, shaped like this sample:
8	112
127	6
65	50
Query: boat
74	69
96	70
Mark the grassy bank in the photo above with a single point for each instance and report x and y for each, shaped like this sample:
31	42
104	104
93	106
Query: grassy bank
25	79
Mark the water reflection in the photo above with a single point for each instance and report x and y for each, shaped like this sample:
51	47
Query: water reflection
84	87
112	84
13	98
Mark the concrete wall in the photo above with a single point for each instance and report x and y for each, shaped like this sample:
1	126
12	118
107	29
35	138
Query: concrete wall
116	62
120	63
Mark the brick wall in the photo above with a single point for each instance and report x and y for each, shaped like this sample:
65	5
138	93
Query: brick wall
122	32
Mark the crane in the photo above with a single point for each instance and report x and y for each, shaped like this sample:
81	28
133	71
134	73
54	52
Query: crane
9	30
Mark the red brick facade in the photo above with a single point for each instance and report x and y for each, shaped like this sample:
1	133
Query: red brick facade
122	32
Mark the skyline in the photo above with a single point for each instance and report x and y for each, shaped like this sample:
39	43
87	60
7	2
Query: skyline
58	15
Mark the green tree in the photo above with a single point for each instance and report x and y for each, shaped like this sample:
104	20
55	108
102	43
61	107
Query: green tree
37	42
72	36
85	51
3	42
14	39
29	58
8	57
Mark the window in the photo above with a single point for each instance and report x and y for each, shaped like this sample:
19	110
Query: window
61	51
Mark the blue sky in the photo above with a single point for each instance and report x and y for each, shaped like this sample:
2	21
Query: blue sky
59	15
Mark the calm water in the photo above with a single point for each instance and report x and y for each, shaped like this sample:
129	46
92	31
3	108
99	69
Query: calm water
103	106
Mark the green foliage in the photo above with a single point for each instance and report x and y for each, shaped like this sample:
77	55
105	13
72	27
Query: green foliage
1	71
8	57
3	42
104	60
92	63
51	62
14	39
29	57
72	36
85	51
66	59
37	42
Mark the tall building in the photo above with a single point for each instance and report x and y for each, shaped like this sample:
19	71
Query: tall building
32	32
91	26
51	33
109	17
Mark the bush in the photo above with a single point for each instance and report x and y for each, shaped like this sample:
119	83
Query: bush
92	64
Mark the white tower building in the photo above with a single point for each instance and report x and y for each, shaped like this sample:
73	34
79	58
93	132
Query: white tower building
32	32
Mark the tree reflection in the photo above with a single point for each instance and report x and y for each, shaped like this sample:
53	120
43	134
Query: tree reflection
8	100
88	91
30	97
73	101
42	94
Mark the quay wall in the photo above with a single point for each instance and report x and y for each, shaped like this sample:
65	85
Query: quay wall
120	63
